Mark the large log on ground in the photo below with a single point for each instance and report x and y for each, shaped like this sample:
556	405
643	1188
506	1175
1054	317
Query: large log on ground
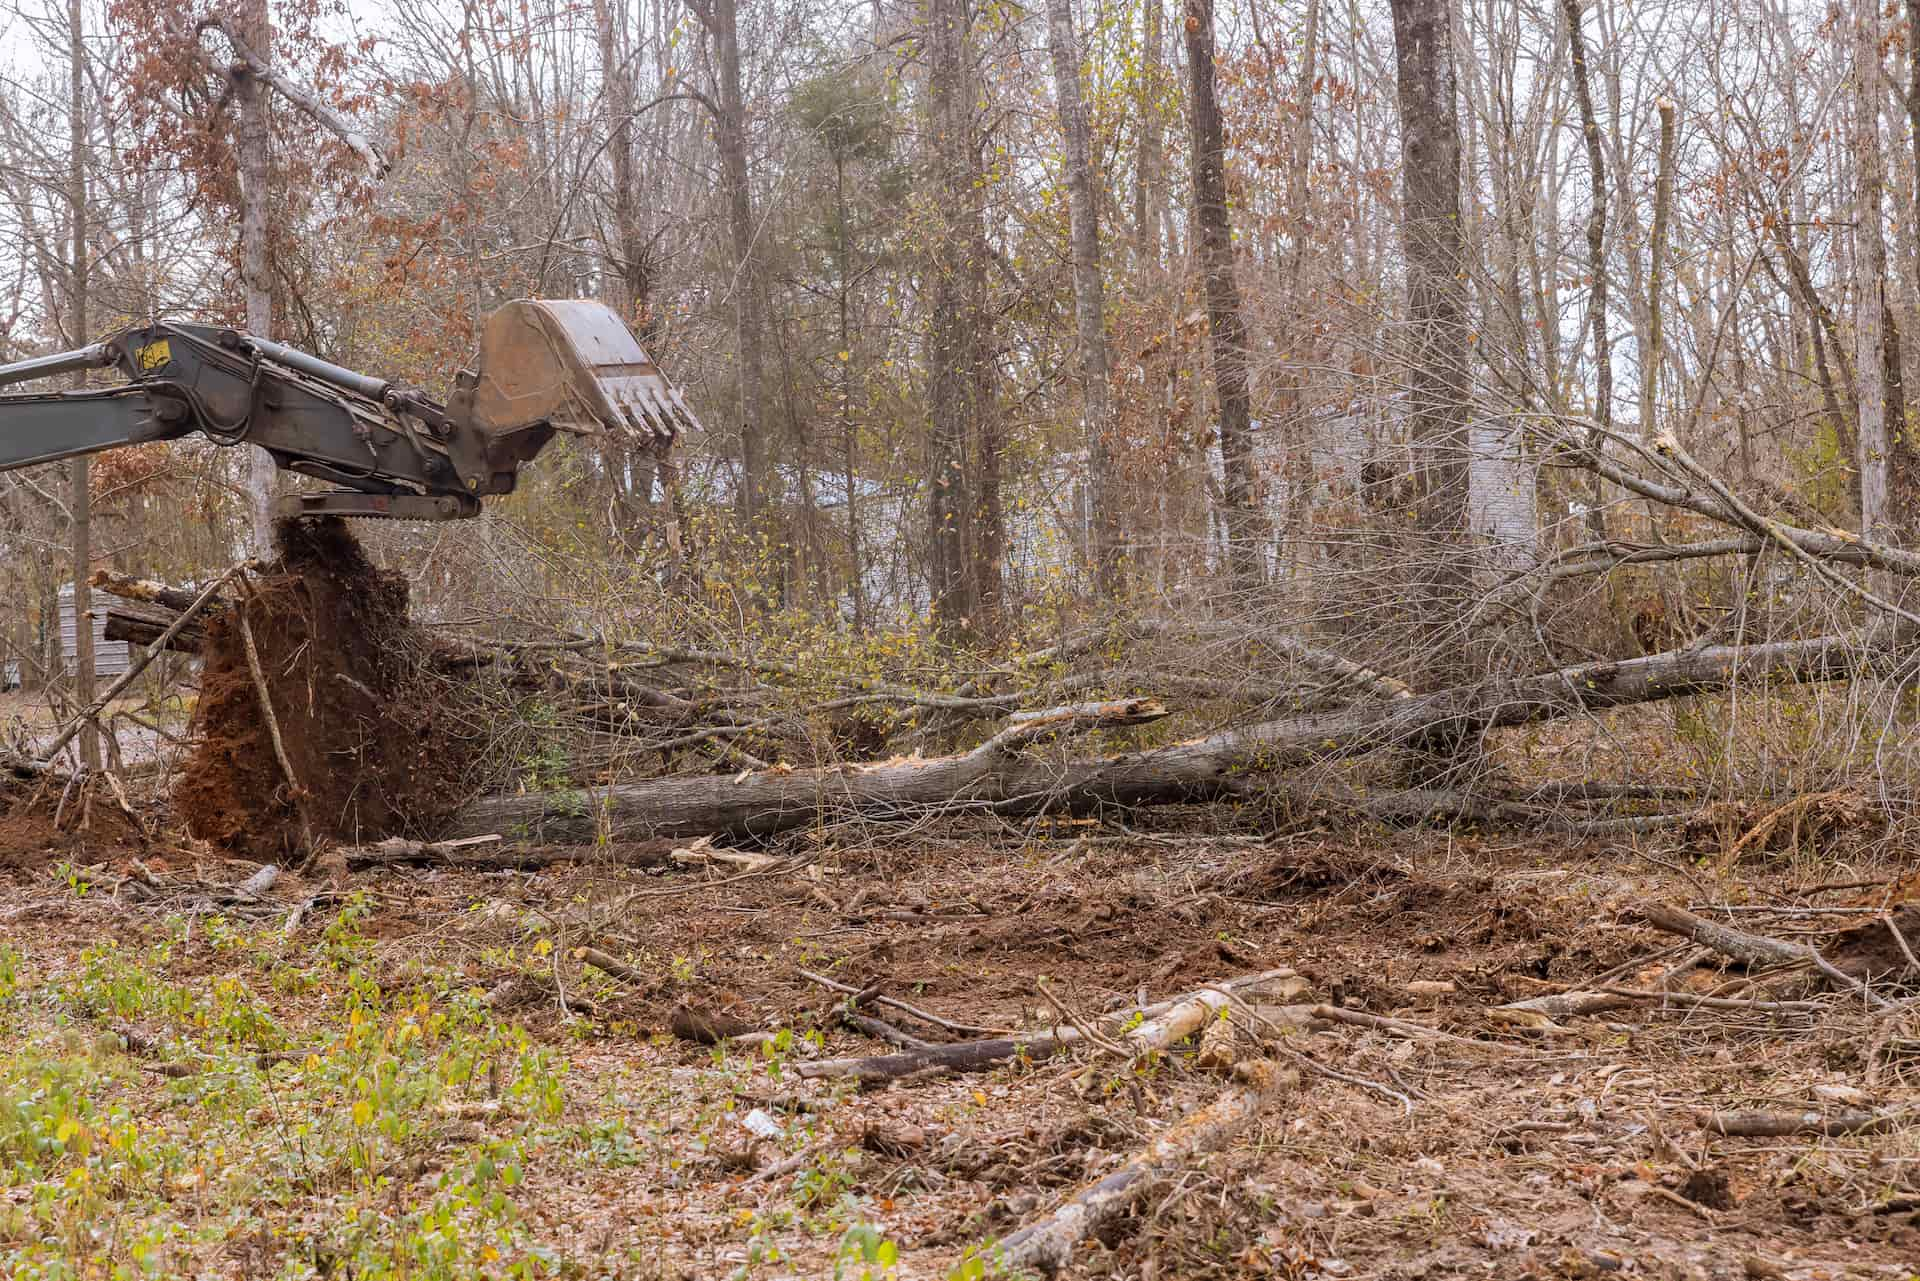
1000	778
144	624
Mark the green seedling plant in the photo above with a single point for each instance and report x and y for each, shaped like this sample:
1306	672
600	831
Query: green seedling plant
150	1112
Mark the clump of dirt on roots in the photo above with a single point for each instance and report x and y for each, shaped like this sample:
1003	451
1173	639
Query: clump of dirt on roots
376	747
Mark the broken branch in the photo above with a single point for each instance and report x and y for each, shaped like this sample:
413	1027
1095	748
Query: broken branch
138	665
1047	1244
1751	950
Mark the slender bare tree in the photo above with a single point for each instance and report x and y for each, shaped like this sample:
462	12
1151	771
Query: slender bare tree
1089	296
721	18
1225	319
80	323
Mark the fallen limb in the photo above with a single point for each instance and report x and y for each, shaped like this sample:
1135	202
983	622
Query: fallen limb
139	664
484	854
1600	1000
1601	558
1669	445
1048	1243
143	589
142	625
607	963
961	1056
1714	1002
1837	546
256	886
1780	1125
880	1030
296	790
1562	1005
1394	1027
998	778
1235	632
1178	1020
1751	950
1189	1015
912	1011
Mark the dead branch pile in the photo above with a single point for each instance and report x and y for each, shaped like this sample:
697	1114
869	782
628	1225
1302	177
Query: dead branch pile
999	778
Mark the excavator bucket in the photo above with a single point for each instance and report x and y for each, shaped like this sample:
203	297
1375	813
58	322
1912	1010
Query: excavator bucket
572	365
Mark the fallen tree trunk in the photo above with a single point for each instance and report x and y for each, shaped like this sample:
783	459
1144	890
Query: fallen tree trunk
137	665
142	625
998	778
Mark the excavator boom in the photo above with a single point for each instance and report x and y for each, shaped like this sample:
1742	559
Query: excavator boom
391	449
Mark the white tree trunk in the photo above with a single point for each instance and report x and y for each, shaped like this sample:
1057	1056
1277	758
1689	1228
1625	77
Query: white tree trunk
1870	258
1502	499
250	93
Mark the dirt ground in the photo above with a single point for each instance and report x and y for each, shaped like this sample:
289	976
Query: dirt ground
408	1073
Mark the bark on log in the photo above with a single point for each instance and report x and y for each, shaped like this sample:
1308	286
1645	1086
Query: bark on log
995	779
142	626
136	666
962	1056
1780	1125
145	609
1751	950
1047	1244
173	599
1562	1005
599	690
473	857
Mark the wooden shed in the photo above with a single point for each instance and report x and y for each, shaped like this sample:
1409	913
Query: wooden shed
110	658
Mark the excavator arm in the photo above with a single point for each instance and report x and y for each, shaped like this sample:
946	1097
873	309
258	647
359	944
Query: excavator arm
391	449
47	428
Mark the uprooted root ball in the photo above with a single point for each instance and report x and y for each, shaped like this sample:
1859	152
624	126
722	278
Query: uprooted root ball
376	749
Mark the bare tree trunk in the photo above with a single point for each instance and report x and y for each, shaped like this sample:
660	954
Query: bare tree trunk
1870	260
1596	246
964	501
1147	158
256	167
720	17
634	469
1304	92
81	504
1656	272
1913	123
849	430
1437	311
1225	322
1089	298
1301	320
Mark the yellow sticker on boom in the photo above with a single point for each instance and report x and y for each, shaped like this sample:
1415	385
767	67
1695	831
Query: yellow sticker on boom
153	356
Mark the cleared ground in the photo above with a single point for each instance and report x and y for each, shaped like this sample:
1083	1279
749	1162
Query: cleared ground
406	1079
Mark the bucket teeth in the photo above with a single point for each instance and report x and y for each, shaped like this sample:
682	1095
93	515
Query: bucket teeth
574	365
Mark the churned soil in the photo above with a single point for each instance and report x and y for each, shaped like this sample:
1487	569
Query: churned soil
45	821
375	748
